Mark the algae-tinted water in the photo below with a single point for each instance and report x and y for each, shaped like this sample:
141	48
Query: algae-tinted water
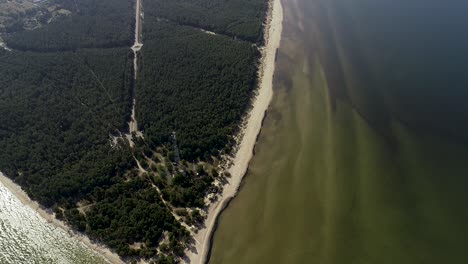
363	154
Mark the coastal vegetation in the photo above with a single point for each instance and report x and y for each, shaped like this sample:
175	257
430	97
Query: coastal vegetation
66	92
366	133
18	15
57	112
195	84
241	19
91	24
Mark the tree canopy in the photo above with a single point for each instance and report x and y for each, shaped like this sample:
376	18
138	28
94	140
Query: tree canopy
196	84
66	94
92	24
237	18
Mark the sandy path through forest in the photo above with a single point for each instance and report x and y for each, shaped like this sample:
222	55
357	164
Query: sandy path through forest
133	124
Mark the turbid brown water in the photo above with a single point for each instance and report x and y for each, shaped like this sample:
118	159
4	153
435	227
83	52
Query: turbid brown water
362	157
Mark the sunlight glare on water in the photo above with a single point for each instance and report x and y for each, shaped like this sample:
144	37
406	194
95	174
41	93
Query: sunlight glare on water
25	237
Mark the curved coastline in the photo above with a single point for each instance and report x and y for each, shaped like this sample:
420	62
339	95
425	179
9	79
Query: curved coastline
99	249
199	254
254	120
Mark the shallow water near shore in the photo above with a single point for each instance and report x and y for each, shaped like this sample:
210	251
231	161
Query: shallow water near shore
25	237
362	157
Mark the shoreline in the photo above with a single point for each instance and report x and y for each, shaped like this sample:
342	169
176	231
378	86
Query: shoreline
199	254
98	249
242	156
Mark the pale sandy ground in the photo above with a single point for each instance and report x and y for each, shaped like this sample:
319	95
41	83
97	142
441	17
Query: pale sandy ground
3	45
241	160
199	254
24	198
132	124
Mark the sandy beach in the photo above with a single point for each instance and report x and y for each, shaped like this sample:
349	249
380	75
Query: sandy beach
199	254
24	198
242	157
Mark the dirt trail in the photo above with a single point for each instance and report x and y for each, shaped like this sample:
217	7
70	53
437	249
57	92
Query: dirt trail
133	124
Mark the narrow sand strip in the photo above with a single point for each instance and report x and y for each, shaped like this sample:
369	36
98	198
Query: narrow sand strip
137	45
24	198
199	254
240	162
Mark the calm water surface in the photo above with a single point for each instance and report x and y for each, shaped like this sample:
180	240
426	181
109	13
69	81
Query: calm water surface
27	238
363	155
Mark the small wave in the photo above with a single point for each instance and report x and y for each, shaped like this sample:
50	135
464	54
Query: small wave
25	237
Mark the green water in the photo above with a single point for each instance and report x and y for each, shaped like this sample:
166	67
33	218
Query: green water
362	157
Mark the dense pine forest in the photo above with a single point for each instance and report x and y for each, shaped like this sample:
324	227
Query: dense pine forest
237	18
200	93
91	24
57	112
66	91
